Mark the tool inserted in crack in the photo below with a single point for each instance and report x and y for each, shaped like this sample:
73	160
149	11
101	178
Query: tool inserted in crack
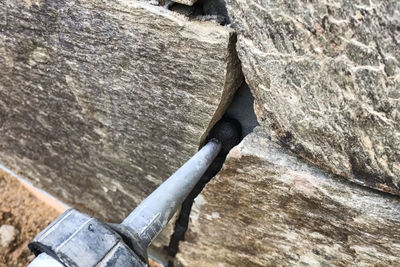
76	239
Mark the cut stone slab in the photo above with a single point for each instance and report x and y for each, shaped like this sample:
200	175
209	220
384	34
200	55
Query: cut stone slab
326	79
100	101
268	207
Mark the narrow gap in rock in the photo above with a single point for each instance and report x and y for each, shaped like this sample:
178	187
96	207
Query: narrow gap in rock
241	112
202	10
242	109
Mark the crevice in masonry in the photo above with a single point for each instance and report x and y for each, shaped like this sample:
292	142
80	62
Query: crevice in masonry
202	10
233	80
241	113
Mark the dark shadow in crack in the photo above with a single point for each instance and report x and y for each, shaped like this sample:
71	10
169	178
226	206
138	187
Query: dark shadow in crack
204	10
241	115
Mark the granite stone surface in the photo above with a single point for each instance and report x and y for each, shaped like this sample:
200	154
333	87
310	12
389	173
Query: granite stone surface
268	207
326	81
100	101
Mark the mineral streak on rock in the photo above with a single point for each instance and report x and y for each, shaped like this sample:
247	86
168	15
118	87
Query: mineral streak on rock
100	101
268	207
326	79
186	2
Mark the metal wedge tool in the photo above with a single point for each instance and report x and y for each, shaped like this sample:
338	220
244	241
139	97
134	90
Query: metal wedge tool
76	239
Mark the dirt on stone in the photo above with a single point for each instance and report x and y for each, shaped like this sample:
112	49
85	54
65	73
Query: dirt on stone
28	214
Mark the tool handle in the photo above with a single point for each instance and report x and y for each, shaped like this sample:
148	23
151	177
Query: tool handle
151	216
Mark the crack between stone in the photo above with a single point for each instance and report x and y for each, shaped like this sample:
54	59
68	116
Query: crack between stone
241	110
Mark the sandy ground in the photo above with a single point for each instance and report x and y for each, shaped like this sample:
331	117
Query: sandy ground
29	211
29	215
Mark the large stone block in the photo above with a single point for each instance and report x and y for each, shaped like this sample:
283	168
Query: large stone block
268	207
325	75
100	101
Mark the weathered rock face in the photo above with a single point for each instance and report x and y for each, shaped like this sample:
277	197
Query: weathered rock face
267	207
326	80
100	101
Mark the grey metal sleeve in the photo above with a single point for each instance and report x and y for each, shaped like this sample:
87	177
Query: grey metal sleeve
146	221
44	260
150	217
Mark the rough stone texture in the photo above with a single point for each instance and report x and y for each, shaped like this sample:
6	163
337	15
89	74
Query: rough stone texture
326	79
100	101
267	207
